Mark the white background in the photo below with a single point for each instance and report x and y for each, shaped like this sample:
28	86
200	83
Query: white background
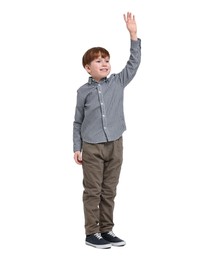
161	204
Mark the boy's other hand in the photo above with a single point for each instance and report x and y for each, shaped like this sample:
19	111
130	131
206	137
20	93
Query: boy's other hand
78	157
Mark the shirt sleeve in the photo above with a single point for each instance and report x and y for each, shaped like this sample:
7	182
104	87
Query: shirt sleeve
132	65
77	124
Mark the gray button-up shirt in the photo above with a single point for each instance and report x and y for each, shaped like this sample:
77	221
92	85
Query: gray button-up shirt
99	114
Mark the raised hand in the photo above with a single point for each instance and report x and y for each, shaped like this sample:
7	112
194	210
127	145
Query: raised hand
131	25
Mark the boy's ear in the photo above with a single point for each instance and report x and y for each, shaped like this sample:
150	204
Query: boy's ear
87	67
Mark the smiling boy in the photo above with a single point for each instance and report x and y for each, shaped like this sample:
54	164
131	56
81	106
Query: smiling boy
97	136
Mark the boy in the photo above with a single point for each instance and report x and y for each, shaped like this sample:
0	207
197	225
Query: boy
97	136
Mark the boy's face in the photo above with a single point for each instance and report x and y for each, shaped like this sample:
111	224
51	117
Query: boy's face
99	68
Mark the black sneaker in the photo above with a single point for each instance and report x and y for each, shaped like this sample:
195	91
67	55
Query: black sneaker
113	239
97	241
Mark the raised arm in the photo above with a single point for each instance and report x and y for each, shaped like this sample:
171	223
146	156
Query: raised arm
131	25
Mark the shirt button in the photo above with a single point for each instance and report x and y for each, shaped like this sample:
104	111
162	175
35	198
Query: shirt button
103	115
105	127
99	91
102	104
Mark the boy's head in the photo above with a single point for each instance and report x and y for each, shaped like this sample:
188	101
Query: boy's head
96	62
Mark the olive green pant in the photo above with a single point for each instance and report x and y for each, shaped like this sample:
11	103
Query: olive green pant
101	170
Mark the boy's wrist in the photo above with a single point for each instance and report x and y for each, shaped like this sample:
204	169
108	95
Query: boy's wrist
133	36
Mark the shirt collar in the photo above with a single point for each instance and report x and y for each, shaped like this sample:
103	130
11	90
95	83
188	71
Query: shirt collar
91	80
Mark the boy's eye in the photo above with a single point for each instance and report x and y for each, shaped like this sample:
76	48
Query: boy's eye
101	61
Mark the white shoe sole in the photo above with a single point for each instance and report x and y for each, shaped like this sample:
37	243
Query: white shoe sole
119	244
99	246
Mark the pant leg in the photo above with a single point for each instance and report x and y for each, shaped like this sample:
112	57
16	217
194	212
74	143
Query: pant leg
93	165
112	167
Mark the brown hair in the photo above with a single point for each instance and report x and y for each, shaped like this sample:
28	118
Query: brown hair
93	54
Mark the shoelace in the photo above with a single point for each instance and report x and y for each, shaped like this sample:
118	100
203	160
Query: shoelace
111	234
98	235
